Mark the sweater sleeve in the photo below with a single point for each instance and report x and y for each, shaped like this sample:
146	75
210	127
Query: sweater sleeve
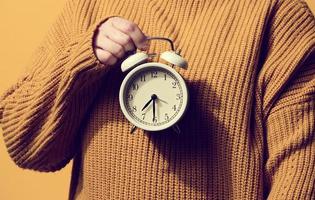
41	114
287	91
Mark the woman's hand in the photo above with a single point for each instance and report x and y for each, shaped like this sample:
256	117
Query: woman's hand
115	37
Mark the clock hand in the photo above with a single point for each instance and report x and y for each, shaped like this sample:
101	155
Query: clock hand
153	97
153	110
162	100
146	105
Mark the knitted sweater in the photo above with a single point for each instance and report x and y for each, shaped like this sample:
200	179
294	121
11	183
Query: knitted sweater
249	130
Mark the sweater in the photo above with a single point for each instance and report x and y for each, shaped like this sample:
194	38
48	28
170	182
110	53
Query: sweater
249	130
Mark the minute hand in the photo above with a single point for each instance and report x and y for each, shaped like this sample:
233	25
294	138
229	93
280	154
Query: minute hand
153	110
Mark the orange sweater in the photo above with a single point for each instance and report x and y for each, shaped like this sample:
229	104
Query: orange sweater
248	133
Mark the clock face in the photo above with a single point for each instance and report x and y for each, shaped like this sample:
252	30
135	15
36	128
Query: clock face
153	96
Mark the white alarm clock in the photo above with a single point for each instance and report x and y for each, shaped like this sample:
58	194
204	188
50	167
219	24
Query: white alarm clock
153	96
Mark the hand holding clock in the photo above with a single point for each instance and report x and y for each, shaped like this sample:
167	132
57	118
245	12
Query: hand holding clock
115	37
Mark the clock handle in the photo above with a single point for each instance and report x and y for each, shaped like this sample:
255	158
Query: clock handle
173	56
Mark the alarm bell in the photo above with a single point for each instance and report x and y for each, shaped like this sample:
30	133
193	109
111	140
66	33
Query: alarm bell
141	57
174	58
134	60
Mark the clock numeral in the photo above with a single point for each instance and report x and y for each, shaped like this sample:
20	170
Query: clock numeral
135	86
143	116
142	78
174	107
154	74
179	96
166	117
130	97
154	120
134	108
165	77
174	84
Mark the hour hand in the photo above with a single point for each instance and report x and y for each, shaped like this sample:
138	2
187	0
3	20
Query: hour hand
146	105
153	97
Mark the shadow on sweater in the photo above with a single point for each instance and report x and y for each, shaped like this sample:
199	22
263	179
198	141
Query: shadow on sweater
197	155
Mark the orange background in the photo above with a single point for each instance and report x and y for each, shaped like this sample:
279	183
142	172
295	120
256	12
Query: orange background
23	26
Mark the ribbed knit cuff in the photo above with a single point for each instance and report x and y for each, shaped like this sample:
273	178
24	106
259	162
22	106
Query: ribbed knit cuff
83	54
83	63
70	68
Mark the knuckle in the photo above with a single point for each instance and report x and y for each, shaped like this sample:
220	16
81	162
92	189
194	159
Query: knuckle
120	51
114	18
126	40
112	60
103	56
111	20
104	25
130	27
130	47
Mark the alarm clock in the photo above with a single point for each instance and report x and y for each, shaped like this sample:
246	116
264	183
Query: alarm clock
153	96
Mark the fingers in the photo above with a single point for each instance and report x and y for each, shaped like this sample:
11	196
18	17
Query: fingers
121	38
132	30
111	46
105	57
116	37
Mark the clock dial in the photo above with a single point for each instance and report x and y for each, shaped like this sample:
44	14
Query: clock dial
153	97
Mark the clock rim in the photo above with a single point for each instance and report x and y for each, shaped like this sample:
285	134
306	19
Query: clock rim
123	88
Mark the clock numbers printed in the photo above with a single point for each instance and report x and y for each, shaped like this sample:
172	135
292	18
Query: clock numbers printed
166	117
174	107
154	74
135	86
174	84
155	120
154	97
142	78
130	97
179	96
134	108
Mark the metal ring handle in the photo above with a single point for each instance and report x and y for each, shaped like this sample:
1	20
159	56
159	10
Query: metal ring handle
165	39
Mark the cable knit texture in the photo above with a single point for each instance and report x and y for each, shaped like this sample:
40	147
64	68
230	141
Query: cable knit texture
248	133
